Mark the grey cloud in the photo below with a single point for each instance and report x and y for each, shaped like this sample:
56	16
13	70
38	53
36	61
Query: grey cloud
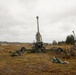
18	19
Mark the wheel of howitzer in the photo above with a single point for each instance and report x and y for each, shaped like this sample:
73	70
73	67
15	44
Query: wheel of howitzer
38	50
43	50
59	50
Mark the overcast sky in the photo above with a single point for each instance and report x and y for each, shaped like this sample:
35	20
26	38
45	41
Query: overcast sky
57	19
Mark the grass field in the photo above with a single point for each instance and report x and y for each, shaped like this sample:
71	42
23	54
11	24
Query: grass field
34	63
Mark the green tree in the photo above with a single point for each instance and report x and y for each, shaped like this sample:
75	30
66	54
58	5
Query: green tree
70	39
54	42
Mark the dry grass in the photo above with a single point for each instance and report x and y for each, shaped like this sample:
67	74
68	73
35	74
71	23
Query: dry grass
34	63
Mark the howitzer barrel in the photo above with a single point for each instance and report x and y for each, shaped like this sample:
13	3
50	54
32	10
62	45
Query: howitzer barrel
37	24
38	36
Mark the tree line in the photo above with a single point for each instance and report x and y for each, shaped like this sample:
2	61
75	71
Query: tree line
69	40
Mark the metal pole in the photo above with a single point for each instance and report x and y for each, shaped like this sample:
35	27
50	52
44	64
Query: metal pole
73	33
74	37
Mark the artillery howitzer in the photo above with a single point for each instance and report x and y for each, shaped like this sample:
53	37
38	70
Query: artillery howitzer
38	46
